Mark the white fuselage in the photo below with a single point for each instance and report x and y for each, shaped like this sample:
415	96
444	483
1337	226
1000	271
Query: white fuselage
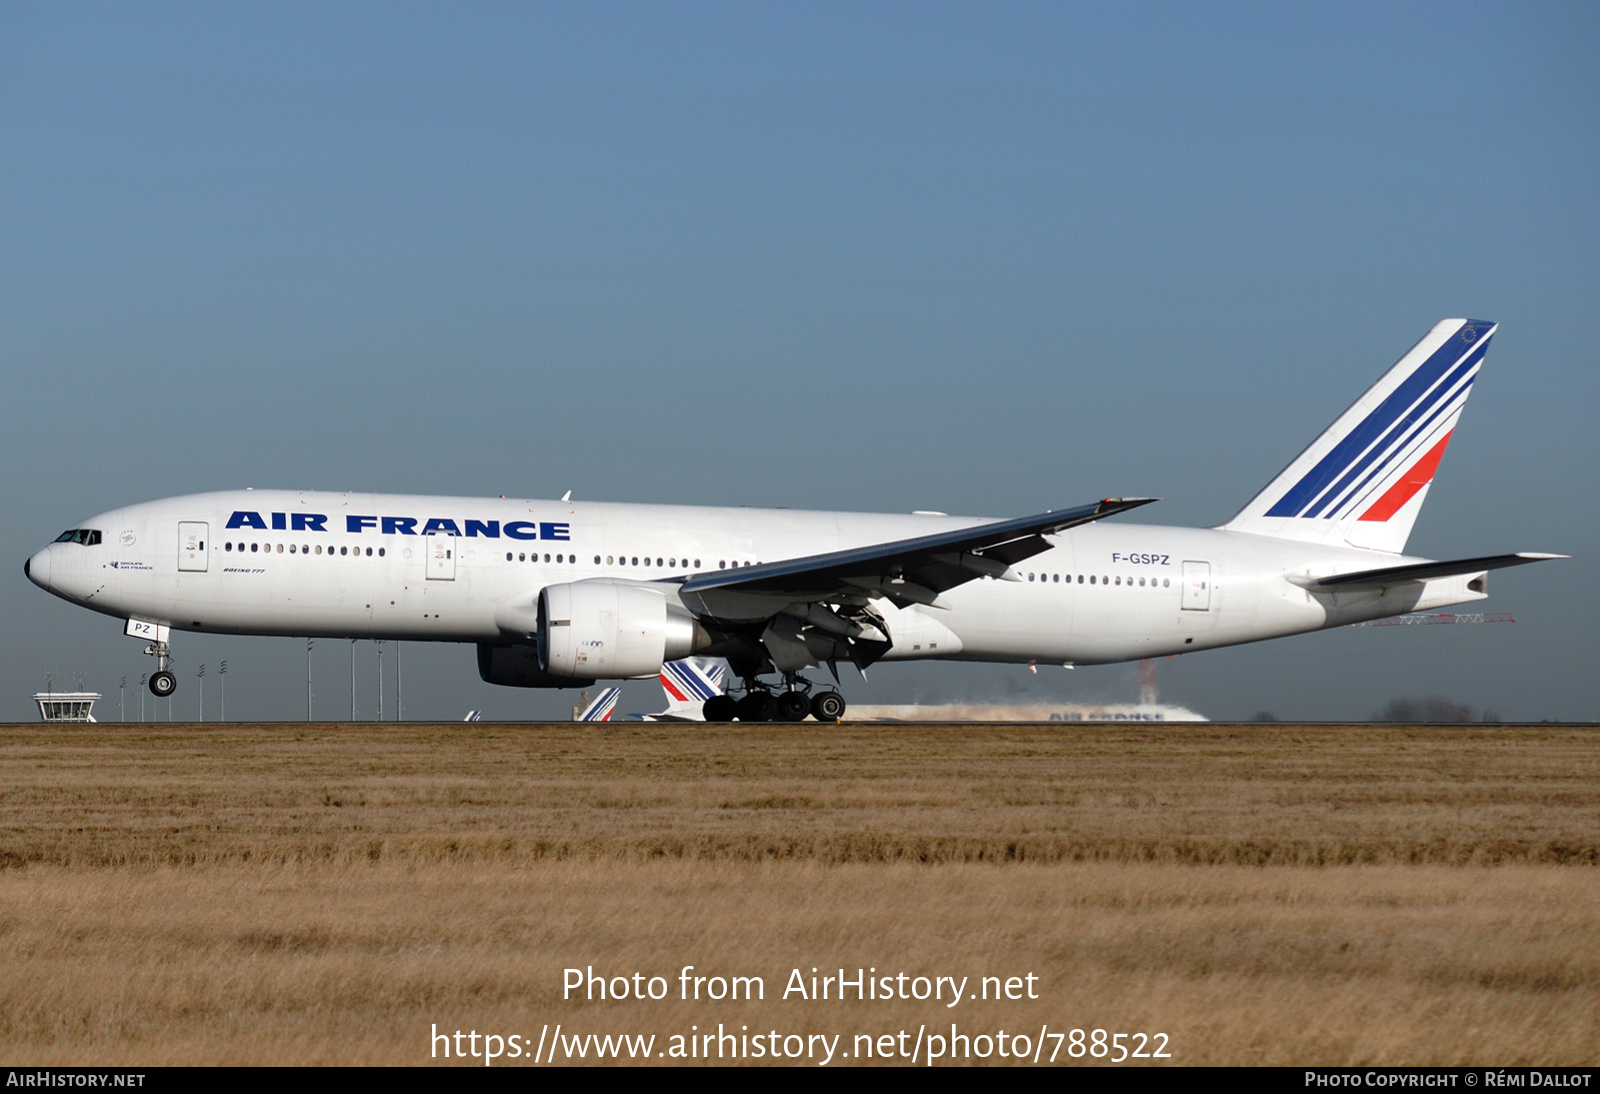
271	562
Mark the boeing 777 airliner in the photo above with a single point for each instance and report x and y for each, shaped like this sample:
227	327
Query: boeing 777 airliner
563	593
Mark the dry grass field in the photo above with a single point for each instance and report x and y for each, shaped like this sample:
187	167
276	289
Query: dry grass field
1259	894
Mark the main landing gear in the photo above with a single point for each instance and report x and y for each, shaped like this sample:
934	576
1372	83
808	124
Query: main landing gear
761	704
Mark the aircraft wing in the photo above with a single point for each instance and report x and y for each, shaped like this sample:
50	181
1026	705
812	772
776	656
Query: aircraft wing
907	571
1419	571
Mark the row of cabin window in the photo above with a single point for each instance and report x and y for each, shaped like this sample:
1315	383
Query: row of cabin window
304	549
610	560
635	560
561	559
1166	582
625	560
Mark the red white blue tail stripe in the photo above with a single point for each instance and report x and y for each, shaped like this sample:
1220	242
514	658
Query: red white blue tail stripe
1362	480
686	682
603	706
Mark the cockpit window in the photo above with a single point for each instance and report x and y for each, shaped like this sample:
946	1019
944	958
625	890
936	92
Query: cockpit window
89	537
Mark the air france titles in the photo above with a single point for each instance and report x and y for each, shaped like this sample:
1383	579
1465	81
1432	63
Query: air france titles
404	526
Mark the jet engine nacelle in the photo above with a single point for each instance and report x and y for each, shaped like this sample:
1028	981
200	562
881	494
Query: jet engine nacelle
517	666
612	630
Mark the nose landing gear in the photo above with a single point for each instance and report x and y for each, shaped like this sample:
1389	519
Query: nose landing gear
162	682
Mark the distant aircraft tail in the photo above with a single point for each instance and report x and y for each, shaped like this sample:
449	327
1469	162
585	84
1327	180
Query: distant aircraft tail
601	709
1362	482
688	684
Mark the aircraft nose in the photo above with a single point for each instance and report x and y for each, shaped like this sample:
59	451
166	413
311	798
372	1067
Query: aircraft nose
37	568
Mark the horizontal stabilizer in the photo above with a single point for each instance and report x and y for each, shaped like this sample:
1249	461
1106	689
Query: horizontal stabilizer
1419	571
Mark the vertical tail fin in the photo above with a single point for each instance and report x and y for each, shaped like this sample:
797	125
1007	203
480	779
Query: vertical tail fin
689	683
601	709
1362	482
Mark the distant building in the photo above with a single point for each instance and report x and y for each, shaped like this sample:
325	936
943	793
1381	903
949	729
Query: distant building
1023	712
66	706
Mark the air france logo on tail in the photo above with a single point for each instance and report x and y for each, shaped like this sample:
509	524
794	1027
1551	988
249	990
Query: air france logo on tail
604	705
1357	482
1418	413
1420	474
686	682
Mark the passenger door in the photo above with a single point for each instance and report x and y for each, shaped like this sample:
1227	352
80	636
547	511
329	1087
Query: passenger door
192	536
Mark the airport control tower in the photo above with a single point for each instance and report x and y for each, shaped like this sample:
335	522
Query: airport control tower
66	706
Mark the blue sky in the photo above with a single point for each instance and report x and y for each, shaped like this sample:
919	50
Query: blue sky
987	259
